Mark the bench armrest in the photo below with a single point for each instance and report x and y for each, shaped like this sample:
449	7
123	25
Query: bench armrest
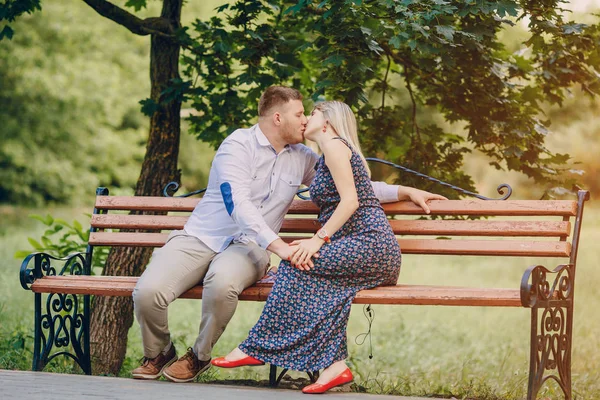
536	289
42	265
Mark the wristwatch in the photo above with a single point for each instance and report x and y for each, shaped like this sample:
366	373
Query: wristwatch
322	234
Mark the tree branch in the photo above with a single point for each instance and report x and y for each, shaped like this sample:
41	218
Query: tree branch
385	83
149	26
414	102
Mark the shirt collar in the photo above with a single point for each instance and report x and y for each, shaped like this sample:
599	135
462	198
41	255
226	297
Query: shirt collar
263	141
260	136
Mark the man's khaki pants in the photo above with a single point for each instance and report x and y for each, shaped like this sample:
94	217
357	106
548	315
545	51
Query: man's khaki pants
182	263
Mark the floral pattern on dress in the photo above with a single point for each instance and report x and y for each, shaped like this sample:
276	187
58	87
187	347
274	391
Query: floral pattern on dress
303	324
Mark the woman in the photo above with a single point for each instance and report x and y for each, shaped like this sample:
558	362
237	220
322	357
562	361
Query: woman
303	324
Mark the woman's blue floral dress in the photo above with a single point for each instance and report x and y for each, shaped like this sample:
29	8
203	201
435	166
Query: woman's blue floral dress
303	324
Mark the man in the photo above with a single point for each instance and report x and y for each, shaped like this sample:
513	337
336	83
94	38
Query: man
226	242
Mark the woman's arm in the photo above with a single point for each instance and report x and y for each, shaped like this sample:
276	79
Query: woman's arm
337	159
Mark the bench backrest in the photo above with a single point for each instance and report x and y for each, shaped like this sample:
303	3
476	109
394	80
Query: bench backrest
532	228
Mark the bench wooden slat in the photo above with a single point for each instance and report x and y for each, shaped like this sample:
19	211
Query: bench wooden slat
486	247
408	246
467	207
400	294
483	228
438	207
400	227
145	203
120	221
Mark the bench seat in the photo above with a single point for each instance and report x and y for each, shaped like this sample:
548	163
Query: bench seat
400	294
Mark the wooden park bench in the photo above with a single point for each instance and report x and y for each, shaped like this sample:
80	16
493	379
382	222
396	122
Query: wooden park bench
546	228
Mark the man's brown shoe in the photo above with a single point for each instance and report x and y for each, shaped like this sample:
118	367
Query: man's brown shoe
152	368
187	368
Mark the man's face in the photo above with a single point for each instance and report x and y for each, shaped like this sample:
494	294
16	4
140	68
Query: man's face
293	122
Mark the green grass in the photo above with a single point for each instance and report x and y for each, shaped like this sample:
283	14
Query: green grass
465	352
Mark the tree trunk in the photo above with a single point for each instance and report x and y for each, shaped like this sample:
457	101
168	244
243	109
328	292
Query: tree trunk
112	317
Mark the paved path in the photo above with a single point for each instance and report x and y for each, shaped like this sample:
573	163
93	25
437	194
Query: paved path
48	386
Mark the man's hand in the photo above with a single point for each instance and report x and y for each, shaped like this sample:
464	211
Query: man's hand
282	249
304	250
419	197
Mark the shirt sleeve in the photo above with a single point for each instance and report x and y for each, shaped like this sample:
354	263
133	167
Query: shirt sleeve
309	169
233	172
384	192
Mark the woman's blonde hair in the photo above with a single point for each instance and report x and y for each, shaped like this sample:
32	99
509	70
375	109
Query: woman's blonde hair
342	120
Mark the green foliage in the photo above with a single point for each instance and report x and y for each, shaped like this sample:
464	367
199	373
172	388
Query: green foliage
68	108
70	84
396	63
61	239
11	9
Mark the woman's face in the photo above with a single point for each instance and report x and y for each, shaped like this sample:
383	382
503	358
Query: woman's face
316	122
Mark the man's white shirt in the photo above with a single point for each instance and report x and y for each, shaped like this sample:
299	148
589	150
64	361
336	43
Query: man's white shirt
251	187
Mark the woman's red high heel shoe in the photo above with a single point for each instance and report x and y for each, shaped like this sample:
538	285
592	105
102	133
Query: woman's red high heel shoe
242	362
317	388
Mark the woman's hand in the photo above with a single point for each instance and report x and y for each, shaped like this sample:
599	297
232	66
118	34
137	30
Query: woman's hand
420	197
304	250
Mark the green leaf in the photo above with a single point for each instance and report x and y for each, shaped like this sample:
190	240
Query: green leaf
77	226
20	254
62	222
47	243
570	29
7	32
47	220
35	244
149	107
222	8
294	9
335	59
136	4
395	42
446	31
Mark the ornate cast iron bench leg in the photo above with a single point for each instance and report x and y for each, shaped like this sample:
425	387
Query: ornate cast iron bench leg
64	321
551	306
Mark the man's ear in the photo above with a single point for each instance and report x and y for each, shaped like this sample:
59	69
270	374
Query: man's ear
277	118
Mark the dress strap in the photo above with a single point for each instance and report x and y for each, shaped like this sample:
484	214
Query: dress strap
345	142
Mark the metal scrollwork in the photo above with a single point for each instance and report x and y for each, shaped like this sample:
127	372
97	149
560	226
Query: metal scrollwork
61	326
62	323
540	290
501	188
553	349
74	264
551	303
172	187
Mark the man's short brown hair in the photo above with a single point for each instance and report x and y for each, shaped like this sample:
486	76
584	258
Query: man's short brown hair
274	96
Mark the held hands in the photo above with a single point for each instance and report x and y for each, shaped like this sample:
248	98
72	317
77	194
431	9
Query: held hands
282	249
303	251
